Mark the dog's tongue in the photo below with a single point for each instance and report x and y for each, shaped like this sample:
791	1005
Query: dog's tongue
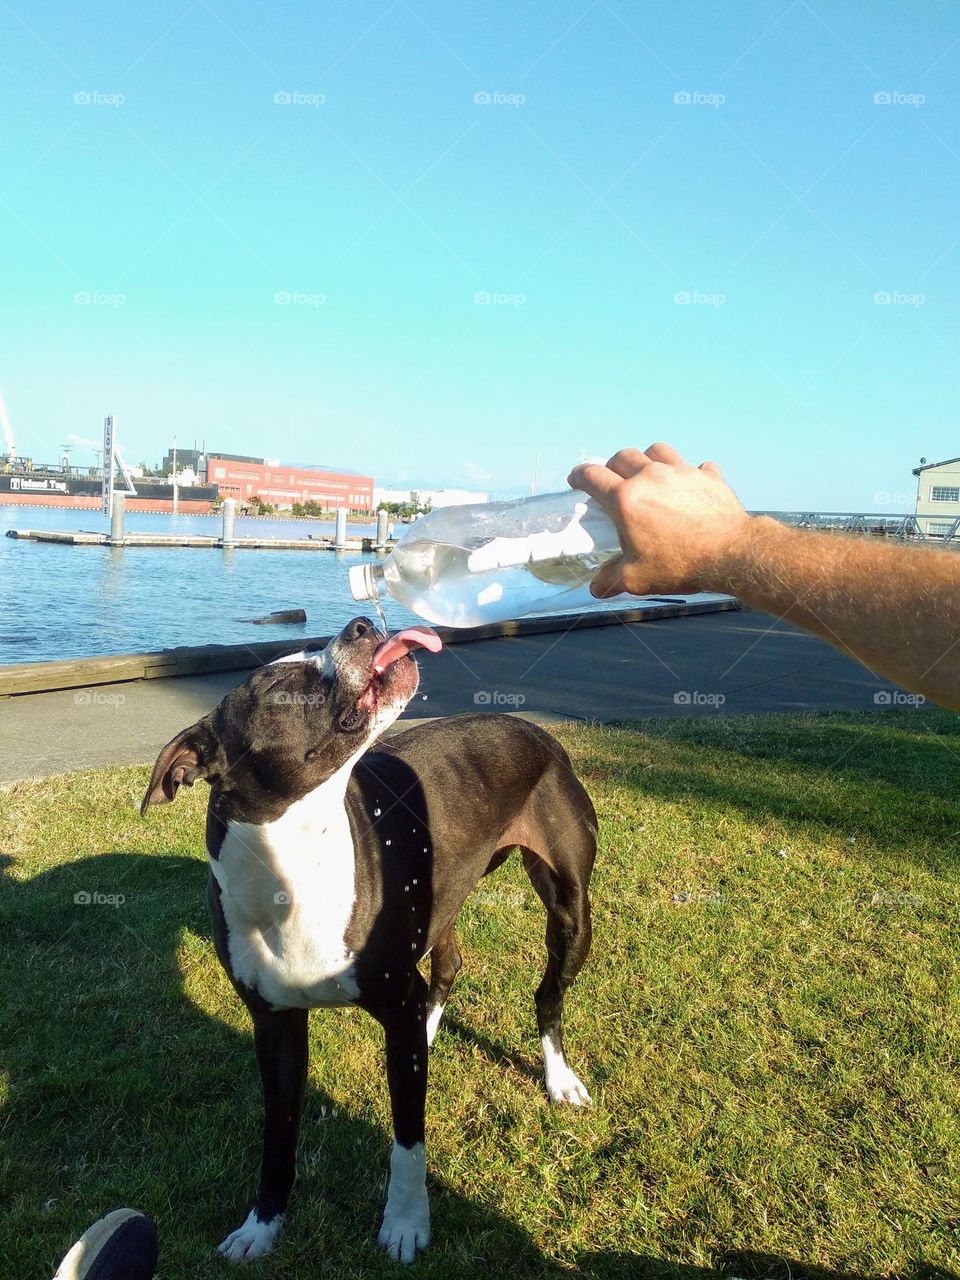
399	645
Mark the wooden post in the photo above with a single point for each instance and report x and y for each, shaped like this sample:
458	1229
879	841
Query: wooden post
340	538
116	520
229	516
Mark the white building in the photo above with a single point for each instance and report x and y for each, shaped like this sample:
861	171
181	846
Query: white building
435	497
938	496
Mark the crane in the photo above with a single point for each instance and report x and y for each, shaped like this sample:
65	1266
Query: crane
7	432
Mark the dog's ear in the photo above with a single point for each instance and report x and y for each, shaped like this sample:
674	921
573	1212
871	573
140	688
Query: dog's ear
191	755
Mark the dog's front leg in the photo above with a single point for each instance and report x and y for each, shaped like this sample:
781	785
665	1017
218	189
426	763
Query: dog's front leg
406	1218
280	1038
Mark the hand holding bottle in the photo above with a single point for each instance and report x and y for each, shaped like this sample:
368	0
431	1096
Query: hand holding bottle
675	521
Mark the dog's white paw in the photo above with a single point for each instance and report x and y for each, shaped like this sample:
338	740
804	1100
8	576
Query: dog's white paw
563	1085
406	1229
254	1239
566	1086
406	1219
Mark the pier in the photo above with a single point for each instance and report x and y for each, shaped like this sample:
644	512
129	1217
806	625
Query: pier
117	537
80	539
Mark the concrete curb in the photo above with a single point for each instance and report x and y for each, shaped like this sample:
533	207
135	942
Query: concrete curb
42	677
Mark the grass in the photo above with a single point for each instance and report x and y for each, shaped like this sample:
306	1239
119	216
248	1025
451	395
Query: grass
768	1024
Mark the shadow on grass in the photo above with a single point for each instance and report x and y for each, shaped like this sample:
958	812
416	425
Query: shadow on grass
496	1054
123	1092
884	775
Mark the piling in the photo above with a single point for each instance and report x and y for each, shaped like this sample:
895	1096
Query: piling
340	538
381	542
116	520
229	517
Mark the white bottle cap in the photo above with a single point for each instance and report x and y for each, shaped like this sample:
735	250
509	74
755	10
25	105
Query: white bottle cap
363	585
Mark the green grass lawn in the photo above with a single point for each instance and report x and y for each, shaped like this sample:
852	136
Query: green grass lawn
768	1023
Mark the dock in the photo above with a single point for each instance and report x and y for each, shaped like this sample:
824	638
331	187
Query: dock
80	539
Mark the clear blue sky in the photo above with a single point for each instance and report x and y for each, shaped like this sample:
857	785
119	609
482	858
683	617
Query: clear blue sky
583	199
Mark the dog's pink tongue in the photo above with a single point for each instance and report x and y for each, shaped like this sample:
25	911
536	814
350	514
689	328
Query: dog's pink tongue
399	645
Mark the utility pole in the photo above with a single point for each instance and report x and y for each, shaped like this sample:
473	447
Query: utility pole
176	503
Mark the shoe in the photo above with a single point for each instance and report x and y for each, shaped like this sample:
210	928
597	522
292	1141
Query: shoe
121	1246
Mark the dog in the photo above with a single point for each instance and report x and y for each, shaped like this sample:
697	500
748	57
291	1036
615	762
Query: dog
336	866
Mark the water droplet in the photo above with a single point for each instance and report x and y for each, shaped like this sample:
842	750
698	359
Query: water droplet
376	813
414	882
423	696
406	888
388	842
386	975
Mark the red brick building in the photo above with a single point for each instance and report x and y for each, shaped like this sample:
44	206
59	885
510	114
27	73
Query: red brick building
282	486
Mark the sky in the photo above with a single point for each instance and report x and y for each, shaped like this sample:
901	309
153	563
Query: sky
450	244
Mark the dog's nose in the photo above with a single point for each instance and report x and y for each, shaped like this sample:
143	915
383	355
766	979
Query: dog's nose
357	629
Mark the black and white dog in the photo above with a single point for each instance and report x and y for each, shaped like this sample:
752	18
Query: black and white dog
335	869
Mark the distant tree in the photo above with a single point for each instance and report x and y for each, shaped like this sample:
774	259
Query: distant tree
405	510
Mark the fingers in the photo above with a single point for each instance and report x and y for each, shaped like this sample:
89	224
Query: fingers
665	453
628	462
594	479
608	581
712	469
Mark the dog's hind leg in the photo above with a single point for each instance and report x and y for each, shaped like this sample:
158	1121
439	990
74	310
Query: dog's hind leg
568	942
445	963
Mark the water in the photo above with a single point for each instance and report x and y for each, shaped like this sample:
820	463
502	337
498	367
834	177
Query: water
67	602
440	582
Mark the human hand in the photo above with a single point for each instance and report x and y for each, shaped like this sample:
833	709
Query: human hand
676	522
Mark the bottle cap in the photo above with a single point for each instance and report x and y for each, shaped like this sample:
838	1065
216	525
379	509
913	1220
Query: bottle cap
363	585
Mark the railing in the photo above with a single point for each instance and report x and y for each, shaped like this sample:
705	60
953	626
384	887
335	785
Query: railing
898	528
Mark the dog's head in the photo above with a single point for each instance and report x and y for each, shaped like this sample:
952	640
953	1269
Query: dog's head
297	721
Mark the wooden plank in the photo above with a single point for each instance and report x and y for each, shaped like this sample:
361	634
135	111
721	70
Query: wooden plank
36	677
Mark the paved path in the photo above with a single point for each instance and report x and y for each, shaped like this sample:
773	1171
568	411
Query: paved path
673	667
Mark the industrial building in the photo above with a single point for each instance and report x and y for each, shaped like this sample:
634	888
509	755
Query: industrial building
243	478
938	496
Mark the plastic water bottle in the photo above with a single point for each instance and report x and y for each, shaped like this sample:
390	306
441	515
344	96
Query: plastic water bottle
490	561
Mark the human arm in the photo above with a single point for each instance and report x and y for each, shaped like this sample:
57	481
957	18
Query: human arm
895	608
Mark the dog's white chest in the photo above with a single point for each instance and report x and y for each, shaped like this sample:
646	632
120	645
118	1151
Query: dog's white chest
288	891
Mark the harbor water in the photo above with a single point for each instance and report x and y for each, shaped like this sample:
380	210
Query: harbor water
61	601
